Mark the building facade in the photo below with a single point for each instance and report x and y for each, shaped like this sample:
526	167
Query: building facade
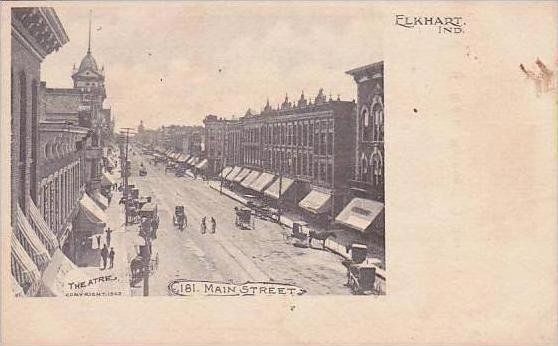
307	142
36	32
369	154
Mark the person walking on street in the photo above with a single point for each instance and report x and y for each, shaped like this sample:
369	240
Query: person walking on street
111	257
98	236
203	225
104	255
109	231
213	225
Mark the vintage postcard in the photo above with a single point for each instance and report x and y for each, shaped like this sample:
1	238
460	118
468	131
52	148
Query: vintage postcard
279	172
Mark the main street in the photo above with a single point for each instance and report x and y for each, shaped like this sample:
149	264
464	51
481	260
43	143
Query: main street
231	254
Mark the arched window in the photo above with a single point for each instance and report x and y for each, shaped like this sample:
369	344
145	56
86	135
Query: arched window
377	122
366	124
377	169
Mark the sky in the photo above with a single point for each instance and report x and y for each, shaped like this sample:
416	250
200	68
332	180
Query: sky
175	64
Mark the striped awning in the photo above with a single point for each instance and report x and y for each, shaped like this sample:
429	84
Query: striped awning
29	240
279	187
225	172
91	211
24	270
108	179
202	164
101	200
262	182
42	229
236	170
242	175
316	202
250	178
16	288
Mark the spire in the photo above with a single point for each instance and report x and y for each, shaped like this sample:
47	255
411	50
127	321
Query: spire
89	43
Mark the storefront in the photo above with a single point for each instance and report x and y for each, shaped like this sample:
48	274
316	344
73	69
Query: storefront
90	221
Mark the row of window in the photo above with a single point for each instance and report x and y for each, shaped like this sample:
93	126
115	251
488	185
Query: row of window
303	164
59	194
297	133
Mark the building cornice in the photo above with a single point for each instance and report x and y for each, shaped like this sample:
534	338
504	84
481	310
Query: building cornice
39	28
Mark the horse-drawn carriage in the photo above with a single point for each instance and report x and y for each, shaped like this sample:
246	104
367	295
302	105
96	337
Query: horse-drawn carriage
149	213
243	218
179	218
361	275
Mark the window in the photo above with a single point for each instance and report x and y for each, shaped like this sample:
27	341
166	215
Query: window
22	138
366	125
330	143
378	122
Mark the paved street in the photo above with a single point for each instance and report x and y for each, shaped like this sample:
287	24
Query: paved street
263	254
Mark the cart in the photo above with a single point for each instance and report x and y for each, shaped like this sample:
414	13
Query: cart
149	212
243	218
361	277
179	218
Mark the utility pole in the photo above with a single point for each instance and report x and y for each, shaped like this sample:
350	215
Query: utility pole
126	171
145	233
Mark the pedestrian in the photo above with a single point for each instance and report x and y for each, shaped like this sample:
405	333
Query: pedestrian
111	257
104	255
203	225
109	197
213	225
109	231
98	241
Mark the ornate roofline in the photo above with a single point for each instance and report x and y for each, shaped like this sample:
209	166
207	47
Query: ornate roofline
39	28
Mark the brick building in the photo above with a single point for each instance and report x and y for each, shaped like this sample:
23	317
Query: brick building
215	143
36	32
304	146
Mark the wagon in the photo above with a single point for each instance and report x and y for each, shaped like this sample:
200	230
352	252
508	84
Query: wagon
243	218
361	277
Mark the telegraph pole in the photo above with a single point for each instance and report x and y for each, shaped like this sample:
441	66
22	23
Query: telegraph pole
126	170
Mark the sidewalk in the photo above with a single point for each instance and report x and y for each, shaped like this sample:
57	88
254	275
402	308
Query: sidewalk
119	241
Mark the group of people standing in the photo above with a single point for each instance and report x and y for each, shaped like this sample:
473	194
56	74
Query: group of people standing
106	255
203	226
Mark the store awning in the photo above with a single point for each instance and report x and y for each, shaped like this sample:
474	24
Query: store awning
250	178
24	270
176	156
16	288
108	179
242	175
101	200
360	213
273	190
192	160
59	273
225	172
236	170
30	241
91	211
181	158
262	182
42	229
316	202
202	164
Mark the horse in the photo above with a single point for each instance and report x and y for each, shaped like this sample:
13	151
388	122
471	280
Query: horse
323	236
